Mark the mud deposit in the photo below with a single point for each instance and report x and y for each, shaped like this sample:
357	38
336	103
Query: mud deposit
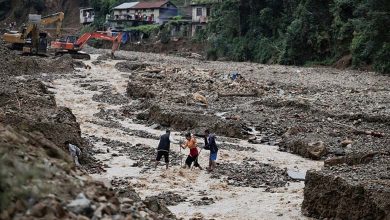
38	178
252	175
123	106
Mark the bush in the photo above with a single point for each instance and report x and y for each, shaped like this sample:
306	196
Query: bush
165	36
301	31
38	5
18	13
87	29
266	51
5	6
211	54
382	61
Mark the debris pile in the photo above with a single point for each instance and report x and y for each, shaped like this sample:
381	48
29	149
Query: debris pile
254	175
169	198
52	188
343	191
37	175
145	155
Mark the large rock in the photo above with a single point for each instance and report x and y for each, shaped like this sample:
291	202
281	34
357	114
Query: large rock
135	90
346	192
81	205
314	150
186	120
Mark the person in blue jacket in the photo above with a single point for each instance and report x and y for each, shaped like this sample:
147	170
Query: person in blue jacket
211	145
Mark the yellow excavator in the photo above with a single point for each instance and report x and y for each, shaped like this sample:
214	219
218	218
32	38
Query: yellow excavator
31	40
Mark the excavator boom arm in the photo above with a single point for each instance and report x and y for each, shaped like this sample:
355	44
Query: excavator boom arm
54	18
49	19
96	35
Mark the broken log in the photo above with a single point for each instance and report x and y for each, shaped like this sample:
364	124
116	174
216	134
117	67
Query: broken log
237	95
358	132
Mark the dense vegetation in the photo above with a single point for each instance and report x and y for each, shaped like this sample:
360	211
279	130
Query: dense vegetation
298	32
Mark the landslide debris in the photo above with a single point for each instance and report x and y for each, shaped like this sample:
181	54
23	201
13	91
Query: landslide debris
38	180
349	192
264	105
341	117
248	174
37	177
26	103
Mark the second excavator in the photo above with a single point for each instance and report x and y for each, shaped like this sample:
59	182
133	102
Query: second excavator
72	45
30	39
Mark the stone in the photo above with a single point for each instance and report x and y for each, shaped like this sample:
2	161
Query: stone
346	142
296	175
81	205
39	210
82	217
334	161
339	152
127	201
126	208
317	149
157	206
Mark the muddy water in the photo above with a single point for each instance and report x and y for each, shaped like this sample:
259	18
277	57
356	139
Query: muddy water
229	202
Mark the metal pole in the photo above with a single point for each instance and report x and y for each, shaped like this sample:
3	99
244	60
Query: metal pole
181	156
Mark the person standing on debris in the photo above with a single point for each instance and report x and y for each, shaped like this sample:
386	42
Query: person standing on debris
163	149
211	145
193	156
74	151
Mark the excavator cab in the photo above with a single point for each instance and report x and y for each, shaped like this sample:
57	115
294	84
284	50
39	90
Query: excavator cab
36	48
72	39
68	39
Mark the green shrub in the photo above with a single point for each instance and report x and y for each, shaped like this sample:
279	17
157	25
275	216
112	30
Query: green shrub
18	13
165	36
38	5
211	54
146	29
301	32
381	60
87	29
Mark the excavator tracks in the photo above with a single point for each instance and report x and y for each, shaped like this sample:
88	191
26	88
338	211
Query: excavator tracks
78	55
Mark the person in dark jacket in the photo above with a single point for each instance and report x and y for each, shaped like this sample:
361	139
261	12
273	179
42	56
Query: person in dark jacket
211	145
163	148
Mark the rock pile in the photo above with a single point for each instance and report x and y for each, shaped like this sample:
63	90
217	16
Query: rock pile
254	175
169	198
338	192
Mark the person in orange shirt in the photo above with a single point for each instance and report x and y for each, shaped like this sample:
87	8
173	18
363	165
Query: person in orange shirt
191	144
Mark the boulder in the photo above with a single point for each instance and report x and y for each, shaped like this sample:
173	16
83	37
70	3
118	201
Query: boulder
81	205
316	150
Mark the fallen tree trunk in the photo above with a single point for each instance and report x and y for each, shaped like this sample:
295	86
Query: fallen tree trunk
357	131
237	95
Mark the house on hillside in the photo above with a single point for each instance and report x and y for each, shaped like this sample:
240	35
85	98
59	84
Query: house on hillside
124	11
143	12
87	15
200	16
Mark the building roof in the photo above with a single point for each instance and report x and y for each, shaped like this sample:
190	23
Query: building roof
84	9
146	5
126	5
204	2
